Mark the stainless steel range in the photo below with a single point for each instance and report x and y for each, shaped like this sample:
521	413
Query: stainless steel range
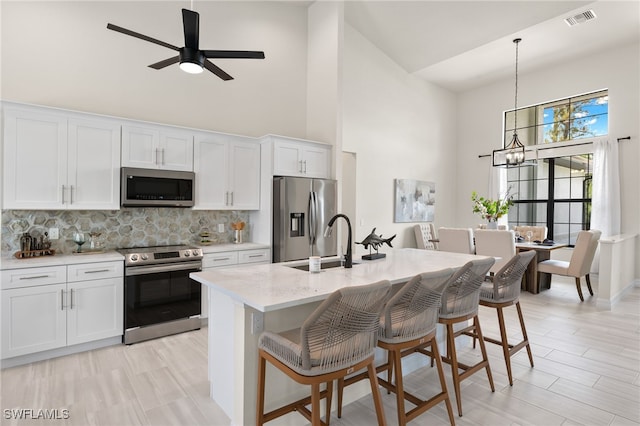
159	297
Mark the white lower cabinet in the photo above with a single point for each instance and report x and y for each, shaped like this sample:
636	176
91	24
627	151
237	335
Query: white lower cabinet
230	258
33	319
38	315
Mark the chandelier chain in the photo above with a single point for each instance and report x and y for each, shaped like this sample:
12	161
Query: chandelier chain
515	109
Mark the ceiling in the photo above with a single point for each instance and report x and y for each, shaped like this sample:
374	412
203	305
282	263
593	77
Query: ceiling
461	45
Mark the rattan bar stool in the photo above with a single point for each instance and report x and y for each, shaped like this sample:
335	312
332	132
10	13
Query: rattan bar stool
503	292
460	302
408	324
338	338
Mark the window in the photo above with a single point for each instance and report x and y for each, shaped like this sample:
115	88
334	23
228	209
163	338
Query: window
556	192
575	118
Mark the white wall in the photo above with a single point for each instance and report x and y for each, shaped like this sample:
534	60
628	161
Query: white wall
480	116
399	126
61	54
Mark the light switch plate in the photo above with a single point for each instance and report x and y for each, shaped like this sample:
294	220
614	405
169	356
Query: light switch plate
221	227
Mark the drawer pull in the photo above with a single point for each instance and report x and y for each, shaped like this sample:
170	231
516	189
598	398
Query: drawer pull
34	277
257	255
62	300
97	271
221	258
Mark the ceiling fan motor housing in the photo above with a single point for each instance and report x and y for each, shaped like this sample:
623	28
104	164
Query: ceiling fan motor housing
192	55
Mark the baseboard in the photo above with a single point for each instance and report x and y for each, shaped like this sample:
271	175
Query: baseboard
605	304
58	352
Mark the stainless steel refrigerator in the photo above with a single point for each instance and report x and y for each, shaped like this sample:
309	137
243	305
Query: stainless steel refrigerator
302	207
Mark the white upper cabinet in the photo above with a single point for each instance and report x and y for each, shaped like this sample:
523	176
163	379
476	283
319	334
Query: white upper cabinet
56	161
300	158
157	147
227	171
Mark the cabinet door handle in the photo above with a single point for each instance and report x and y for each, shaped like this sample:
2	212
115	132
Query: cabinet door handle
300	166
71	307
34	277
305	166
71	196
226	198
62	300
156	155
232	198
97	271
162	156
62	194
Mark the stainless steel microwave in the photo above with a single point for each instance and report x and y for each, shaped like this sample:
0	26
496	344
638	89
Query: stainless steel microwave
156	188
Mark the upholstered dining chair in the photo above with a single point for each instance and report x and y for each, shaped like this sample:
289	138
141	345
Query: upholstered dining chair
408	325
425	236
580	263
460	302
338	338
499	244
504	291
457	240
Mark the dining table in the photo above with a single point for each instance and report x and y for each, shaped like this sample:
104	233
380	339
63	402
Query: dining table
534	282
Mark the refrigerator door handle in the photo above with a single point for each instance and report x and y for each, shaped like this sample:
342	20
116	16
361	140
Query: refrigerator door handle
313	210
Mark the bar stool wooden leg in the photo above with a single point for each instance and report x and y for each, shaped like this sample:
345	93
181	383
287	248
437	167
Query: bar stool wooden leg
375	391
451	355
504	343
443	383
260	405
524	332
397	366
390	361
328	400
483	349
340	392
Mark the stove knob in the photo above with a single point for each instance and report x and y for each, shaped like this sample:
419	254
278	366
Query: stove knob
134	257
144	257
196	253
187	253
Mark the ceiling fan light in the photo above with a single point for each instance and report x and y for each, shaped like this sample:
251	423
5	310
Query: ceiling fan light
191	67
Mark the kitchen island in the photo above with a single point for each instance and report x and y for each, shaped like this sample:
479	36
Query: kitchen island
243	301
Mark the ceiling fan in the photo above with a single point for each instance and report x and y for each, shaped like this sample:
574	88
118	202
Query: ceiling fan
190	57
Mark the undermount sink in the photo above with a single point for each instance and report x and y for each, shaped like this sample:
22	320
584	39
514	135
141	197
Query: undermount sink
324	265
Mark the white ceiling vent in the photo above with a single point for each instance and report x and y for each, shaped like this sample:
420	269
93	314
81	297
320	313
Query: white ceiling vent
581	18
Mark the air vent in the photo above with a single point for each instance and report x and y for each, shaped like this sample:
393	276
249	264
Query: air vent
581	18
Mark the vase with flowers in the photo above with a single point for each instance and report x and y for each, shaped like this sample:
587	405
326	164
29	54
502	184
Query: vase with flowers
491	210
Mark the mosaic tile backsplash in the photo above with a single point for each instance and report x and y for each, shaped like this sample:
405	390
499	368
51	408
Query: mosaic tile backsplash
128	227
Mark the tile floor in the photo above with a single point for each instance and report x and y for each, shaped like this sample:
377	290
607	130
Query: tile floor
587	371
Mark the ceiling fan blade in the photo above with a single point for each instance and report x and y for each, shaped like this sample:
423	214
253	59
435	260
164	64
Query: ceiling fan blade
140	36
217	71
233	54
165	63
190	22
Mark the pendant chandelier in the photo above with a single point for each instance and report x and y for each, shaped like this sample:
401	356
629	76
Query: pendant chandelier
513	153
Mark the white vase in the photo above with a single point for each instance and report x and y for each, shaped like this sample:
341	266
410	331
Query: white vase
492	225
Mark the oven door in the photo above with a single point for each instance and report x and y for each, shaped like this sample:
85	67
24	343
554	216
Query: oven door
160	293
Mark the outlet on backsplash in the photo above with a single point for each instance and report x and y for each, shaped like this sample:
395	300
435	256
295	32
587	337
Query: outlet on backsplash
221	227
54	233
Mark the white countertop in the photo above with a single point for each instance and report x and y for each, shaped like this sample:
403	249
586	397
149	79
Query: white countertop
62	259
270	287
217	248
107	256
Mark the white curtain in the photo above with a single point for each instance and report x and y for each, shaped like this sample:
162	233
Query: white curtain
605	194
